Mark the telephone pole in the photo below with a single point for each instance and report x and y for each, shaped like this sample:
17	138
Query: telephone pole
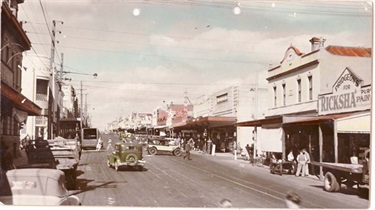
53	83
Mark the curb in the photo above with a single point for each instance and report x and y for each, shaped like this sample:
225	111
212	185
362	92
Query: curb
230	157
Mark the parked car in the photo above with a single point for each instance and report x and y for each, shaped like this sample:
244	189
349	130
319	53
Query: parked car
36	187
160	144
126	155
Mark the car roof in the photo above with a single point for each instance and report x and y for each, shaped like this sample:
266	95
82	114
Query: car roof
129	144
40	172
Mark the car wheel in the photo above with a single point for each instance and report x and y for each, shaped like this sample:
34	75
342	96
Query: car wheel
132	159
292	169
177	152
330	183
117	167
140	168
152	151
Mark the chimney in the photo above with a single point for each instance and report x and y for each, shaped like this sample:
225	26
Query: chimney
317	43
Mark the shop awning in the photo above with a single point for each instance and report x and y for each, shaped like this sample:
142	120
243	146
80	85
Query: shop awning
260	122
210	121
160	126
271	140
304	120
19	100
358	123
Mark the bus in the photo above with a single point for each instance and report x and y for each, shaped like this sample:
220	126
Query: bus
90	137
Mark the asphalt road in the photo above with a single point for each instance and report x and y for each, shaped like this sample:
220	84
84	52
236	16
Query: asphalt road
170	181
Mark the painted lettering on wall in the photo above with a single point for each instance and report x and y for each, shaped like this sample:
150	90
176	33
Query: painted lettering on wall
347	96
343	101
348	77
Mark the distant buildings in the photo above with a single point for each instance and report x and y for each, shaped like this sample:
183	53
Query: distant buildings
319	101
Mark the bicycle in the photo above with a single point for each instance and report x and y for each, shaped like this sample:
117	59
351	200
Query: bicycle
258	161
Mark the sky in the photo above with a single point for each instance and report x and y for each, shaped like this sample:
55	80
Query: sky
147	53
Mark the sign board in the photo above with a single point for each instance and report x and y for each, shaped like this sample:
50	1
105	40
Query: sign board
347	95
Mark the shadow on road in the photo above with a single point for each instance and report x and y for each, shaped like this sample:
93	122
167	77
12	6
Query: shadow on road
347	191
83	185
131	169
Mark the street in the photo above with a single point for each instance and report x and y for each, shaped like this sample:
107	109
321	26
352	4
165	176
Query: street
170	181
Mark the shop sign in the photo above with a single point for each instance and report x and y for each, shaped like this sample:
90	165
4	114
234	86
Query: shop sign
347	95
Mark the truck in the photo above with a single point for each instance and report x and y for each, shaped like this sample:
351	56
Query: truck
58	153
71	128
336	174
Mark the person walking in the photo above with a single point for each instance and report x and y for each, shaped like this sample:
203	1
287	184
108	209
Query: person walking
99	145
109	144
301	159
188	147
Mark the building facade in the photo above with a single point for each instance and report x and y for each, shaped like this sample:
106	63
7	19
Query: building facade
15	107
312	96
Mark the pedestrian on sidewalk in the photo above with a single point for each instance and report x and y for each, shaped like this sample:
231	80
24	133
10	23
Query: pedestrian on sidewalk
307	162
301	159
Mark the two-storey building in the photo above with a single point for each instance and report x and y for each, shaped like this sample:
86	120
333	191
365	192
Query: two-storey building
313	97
15	107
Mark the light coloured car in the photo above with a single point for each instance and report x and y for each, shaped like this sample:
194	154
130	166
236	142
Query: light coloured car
161	145
36	187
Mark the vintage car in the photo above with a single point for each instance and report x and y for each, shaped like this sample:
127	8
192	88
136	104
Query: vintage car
161	144
36	187
126	155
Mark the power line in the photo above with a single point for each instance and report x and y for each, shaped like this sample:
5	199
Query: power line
168	83
169	57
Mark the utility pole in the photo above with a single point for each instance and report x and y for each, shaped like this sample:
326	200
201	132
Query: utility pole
52	68
86	109
53	83
81	104
62	67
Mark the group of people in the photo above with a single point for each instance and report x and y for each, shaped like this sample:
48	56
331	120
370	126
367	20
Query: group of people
303	161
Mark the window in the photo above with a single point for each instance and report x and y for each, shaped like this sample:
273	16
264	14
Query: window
310	88
299	90
284	95
275	96
222	98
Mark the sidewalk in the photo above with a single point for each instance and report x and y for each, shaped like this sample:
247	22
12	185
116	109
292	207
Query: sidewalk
228	156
